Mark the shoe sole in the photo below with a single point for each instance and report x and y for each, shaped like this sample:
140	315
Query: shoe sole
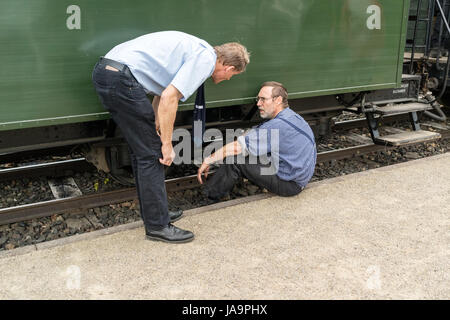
176	219
169	241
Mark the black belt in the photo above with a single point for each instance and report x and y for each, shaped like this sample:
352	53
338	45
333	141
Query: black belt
119	66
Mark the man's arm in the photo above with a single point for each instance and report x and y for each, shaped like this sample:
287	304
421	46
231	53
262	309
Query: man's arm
231	149
155	104
167	110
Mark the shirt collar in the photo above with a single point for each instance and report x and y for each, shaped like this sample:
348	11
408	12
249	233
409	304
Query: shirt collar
282	111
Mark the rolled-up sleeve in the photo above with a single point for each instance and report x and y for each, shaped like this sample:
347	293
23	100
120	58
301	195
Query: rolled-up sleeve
257	141
194	71
241	141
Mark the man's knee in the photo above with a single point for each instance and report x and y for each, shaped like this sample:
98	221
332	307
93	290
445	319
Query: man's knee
289	190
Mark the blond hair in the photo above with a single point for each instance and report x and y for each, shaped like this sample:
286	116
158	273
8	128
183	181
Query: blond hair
233	54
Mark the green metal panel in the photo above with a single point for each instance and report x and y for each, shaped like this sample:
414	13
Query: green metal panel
314	47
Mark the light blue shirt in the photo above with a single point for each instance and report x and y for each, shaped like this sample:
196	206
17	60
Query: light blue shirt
289	138
159	59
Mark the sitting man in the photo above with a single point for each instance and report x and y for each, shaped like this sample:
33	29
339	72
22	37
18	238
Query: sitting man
286	142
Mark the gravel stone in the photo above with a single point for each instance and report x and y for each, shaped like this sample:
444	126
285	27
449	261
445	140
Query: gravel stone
102	213
9	246
252	189
78	224
94	221
40	238
412	155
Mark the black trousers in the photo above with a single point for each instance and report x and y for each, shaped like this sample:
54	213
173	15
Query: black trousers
132	111
227	175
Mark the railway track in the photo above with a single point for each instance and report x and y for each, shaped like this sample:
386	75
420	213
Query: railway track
79	203
74	204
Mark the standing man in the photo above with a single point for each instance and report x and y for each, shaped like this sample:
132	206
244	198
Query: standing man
286	139
169	65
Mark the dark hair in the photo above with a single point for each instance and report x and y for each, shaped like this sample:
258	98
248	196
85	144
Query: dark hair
278	90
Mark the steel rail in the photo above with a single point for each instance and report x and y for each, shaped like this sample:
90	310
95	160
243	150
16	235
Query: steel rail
76	204
54	169
350	152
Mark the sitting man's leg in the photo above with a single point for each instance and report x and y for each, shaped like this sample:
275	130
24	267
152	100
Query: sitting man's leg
223	181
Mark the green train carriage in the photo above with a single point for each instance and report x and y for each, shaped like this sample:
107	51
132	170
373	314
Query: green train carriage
318	49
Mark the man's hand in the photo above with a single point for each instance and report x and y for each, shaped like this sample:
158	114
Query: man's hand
204	168
168	154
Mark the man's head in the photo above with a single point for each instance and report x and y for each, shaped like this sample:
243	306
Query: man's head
272	99
232	59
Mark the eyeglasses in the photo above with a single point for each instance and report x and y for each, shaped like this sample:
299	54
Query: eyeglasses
263	99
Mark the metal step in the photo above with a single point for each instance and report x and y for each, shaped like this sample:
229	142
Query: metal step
408	137
419	56
403	108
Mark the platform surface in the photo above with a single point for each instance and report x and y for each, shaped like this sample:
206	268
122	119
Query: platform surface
379	234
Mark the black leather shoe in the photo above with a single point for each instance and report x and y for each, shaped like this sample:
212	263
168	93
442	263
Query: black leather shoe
175	215
170	234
